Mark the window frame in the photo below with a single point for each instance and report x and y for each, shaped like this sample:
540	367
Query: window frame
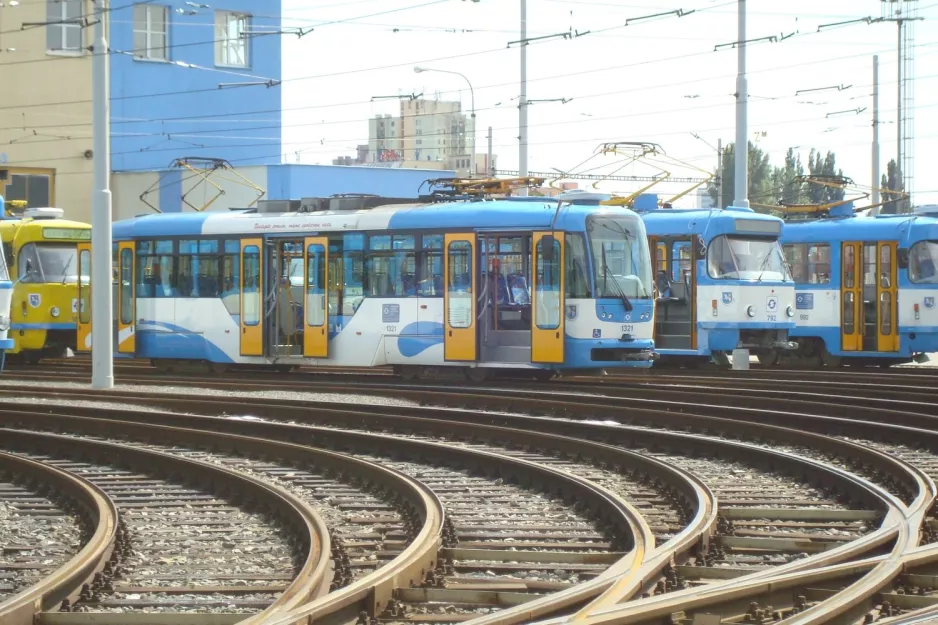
57	12
223	40
148	31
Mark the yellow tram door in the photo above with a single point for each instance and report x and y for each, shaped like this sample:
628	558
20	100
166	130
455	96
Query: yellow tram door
547	323
126	299
315	308
83	302
460	337
851	297
887	339
252	298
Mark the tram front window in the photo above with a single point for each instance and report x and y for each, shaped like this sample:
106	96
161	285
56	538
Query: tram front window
48	263
731	257
621	263
4	271
923	262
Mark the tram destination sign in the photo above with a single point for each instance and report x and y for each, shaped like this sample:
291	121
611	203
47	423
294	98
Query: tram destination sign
66	234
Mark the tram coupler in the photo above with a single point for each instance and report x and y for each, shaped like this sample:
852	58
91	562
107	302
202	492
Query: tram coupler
786	345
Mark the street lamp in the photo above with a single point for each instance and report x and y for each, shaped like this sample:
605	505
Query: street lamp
472	165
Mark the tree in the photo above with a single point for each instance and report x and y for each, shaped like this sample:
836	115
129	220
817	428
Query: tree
891	180
788	179
761	179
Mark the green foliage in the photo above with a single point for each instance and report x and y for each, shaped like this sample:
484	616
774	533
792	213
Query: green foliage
771	185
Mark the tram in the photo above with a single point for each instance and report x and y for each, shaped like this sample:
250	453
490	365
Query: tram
6	297
866	286
40	248
444	288
721	281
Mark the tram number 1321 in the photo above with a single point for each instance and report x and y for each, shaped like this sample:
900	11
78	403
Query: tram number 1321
628	328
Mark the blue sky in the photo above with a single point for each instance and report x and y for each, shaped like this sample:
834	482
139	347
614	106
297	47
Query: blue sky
653	80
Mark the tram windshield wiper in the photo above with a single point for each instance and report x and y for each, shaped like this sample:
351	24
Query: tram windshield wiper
618	288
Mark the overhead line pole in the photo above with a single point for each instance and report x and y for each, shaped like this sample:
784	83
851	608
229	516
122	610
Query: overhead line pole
523	100
102	342
741	198
875	156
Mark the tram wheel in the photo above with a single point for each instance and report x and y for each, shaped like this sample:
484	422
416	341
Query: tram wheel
829	360
768	357
477	374
543	375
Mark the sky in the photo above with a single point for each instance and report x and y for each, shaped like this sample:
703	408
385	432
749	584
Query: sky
658	79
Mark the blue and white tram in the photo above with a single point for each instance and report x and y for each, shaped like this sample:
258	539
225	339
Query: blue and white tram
722	283
866	287
433	289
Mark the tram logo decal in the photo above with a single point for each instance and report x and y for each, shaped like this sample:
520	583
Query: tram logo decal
929	302
771	303
727	297
804	301
597	333
571	311
35	299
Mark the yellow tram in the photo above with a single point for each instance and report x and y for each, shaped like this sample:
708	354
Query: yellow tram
41	251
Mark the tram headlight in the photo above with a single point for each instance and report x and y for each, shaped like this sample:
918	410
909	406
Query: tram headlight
790	312
4	323
55	311
751	311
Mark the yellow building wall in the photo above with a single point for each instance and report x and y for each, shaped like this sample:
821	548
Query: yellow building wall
45	109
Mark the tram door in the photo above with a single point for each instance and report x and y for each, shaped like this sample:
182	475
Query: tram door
676	283
83	340
126	299
315	308
547	326
460	338
851	297
252	300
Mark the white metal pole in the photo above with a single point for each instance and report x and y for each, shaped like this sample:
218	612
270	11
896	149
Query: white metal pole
472	164
900	129
523	101
102	342
742	125
875	156
720	173
488	161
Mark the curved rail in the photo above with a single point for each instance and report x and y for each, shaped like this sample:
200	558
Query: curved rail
313	530
67	580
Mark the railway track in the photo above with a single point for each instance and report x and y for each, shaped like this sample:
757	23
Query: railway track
851	550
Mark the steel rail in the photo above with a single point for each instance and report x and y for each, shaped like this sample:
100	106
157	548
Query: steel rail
894	526
609	506
66	581
406	569
314	533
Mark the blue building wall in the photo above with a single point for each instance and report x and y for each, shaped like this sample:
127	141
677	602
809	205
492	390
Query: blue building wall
163	110
286	182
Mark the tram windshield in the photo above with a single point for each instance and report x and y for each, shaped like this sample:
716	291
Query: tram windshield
621	263
732	257
4	270
48	263
923	262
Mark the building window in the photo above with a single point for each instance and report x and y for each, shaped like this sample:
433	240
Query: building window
32	188
63	33
150	32
231	39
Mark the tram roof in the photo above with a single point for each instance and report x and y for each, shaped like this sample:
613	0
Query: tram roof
710	221
880	227
448	215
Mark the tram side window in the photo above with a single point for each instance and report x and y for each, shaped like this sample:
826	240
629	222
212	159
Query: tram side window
353	266
156	275
431	266
923	262
231	277
810	262
126	292
577	283
198	268
391	266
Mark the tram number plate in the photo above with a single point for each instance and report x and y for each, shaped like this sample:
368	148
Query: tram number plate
771	317
628	328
